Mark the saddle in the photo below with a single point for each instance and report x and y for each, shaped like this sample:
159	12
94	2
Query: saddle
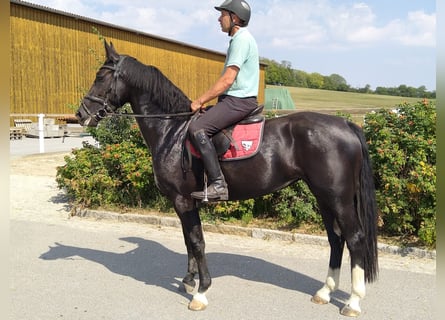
239	141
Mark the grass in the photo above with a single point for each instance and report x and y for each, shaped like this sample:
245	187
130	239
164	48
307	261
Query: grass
331	102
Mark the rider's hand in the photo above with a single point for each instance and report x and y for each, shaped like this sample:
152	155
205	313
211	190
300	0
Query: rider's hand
196	106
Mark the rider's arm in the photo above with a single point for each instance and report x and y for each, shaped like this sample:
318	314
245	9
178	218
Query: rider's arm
220	86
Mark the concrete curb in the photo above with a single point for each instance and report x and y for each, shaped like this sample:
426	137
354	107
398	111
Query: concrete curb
257	233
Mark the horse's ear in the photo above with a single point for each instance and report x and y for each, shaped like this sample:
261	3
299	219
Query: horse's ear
111	52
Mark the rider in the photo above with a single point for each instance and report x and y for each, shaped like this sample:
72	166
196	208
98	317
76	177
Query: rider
236	89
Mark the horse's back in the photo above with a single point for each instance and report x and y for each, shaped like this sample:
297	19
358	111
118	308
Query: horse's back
325	147
320	149
313	131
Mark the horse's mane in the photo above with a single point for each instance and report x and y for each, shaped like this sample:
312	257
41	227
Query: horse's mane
160	90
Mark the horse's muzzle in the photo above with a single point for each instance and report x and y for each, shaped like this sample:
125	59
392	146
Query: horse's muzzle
88	122
84	116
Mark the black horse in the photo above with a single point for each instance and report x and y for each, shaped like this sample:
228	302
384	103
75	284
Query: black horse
327	152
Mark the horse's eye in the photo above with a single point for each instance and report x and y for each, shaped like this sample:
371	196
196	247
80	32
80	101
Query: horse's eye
100	78
100	75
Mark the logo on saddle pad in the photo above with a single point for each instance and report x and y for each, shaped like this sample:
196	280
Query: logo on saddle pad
245	140
247	144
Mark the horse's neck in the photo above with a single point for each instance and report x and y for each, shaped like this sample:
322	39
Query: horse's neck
162	135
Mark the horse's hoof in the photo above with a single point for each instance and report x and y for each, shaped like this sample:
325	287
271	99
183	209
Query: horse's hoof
349	312
319	300
199	302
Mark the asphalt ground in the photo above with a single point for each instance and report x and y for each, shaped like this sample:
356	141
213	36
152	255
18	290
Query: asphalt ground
105	266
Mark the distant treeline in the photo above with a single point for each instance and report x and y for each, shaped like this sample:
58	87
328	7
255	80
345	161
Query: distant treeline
283	74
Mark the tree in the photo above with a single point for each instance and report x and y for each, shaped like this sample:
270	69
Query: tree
281	73
381	90
334	82
366	89
273	73
301	79
315	80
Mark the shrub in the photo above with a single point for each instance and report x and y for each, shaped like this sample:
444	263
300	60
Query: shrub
231	210
402	145
117	174
292	205
116	129
85	178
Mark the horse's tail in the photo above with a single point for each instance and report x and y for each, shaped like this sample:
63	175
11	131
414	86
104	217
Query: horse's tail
367	209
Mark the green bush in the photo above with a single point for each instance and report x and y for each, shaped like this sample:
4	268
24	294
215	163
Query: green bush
292	205
85	178
290	208
118	129
230	211
117	173
402	145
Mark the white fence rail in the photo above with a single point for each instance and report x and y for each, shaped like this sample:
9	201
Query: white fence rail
45	127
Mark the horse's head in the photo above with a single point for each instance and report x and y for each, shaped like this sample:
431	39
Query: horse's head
59	251
106	93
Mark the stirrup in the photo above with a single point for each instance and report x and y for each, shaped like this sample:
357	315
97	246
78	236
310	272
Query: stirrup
205	191
203	196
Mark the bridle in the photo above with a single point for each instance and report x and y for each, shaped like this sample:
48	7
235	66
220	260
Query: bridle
108	109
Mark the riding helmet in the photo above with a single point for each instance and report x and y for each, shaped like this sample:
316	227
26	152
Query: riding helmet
239	7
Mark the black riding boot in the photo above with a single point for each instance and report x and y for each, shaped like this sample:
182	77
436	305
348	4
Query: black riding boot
217	189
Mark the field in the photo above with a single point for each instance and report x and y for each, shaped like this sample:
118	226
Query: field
331	102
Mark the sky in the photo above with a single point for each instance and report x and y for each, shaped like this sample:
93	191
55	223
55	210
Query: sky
383	43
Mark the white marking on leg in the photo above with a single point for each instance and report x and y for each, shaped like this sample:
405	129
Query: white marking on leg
331	284
201	297
358	288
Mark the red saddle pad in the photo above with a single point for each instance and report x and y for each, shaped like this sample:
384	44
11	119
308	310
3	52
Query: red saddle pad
246	141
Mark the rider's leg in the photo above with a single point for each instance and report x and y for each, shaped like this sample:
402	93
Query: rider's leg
217	189
226	112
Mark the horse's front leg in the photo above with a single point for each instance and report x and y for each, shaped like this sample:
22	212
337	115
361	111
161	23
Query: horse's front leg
192	267
197	263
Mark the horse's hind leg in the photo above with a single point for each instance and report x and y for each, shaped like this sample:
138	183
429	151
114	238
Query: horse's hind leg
337	243
355	240
342	226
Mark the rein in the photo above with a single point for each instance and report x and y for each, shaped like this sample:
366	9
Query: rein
162	115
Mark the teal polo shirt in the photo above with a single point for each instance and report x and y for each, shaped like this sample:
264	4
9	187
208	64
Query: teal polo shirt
243	53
